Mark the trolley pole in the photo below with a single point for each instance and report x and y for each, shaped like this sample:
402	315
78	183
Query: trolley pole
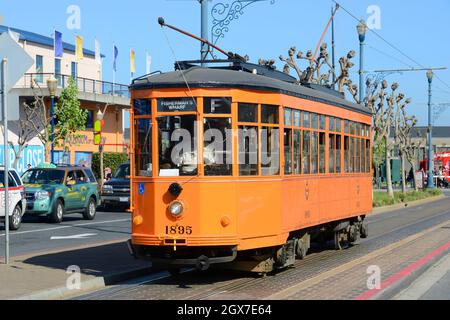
204	47
5	156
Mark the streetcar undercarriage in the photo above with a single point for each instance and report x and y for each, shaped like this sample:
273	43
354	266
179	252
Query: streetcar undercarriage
261	261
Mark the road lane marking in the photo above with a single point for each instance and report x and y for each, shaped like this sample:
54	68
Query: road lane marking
75	237
66	227
426	281
397	277
321	277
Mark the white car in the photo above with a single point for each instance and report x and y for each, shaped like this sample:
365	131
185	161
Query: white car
17	201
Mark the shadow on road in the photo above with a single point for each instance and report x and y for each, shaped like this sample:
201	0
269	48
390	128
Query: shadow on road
96	261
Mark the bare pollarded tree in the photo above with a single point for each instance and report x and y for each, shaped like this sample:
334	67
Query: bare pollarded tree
314	72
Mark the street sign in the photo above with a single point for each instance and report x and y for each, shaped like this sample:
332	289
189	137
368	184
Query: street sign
19	62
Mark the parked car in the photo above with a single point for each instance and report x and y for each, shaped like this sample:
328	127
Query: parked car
17	202
116	192
55	192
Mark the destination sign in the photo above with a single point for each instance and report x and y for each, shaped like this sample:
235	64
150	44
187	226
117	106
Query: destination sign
177	105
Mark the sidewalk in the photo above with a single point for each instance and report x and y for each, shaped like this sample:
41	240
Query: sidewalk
434	284
43	276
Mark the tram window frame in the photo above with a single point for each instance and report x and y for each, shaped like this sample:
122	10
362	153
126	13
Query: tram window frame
267	112
322	153
145	110
254	113
170	171
297	118
306	152
223	167
288	116
331	153
297	151
248	169
210	109
288	139
270	169
141	169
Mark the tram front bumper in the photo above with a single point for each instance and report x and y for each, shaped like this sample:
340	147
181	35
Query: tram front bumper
199	257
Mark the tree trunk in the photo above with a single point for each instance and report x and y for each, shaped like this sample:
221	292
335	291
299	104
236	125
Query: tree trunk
390	189
415	176
402	157
17	158
102	169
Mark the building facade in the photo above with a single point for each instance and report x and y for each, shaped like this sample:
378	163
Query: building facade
94	94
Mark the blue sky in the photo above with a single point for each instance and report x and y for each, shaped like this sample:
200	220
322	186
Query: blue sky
420	29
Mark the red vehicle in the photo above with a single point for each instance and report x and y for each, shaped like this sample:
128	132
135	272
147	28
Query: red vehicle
441	170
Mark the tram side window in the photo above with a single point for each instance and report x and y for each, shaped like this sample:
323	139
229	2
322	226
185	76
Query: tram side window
270	151
358	155
269	114
332	152
306	154
248	112
351	156
217	152
314	119
314	152
297	152
287	151
363	155
248	151
338	153
177	146
142	107
143	151
297	118
322	143
287	117
368	148
217	105
346	154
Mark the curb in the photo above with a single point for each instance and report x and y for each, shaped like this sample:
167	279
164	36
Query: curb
380	210
98	283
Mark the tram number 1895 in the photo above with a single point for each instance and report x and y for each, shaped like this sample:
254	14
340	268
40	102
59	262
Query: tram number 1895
178	230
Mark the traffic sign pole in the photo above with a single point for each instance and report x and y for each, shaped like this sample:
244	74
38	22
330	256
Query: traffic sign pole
5	155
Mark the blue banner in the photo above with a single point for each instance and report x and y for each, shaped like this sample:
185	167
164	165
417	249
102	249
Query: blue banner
59	50
116	53
31	156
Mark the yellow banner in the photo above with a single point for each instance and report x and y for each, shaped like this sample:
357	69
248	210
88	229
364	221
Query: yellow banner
79	48
132	64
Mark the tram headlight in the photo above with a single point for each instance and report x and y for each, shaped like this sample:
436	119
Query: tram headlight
176	209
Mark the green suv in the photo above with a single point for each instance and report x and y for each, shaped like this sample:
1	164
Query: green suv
57	191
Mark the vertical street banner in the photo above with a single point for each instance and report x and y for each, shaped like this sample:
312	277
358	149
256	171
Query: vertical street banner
98	57
79	47
148	62
59	50
132	62
116	54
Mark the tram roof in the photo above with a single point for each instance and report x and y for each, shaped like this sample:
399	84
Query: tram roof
200	77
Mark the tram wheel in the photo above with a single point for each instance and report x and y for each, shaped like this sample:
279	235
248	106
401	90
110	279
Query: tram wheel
340	240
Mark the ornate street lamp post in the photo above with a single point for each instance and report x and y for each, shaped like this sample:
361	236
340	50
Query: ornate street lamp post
361	28
52	85
430	134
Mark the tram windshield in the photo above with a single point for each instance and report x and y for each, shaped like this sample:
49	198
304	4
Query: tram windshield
177	145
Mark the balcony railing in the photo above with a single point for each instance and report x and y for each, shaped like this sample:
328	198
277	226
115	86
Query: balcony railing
83	84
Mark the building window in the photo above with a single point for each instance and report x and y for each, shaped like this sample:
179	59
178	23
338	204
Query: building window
74	70
83	159
61	157
39	68
90	120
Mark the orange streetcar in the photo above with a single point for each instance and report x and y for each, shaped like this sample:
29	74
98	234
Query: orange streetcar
236	162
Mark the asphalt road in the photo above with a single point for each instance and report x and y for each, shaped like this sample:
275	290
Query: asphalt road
37	235
324	274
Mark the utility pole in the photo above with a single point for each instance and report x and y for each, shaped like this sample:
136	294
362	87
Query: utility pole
4	64
362	29
204	47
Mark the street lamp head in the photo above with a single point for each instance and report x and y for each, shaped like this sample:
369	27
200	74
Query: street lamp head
52	85
100	115
430	75
362	29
